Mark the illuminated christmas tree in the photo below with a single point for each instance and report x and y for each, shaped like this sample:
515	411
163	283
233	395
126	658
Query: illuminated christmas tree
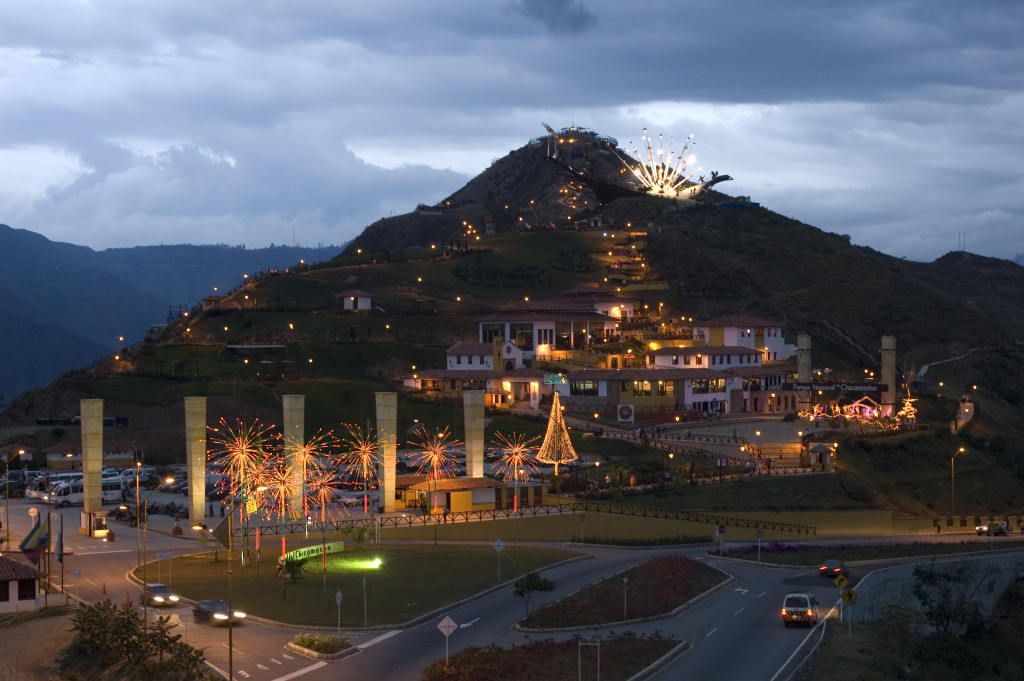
557	447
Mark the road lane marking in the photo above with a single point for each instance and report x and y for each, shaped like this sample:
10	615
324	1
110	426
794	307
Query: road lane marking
738	612
276	661
382	637
263	667
711	632
304	670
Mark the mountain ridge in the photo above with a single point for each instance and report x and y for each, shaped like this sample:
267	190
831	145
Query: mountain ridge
63	306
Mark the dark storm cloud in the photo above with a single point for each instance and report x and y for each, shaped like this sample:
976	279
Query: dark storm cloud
558	16
129	123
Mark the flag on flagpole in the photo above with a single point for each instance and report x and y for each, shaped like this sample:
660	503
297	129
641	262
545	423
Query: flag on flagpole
37	541
60	542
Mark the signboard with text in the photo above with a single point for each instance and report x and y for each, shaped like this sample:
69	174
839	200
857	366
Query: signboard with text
870	388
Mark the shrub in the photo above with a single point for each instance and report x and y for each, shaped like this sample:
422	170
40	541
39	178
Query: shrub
322	643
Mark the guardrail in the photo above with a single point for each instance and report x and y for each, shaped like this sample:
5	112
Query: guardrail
394	520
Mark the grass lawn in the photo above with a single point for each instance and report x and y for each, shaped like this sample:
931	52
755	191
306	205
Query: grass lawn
799	554
656	587
760	493
411	580
621	656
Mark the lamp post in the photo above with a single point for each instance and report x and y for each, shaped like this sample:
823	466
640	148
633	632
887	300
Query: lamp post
145	559
231	612
758	434
7	496
138	515
952	482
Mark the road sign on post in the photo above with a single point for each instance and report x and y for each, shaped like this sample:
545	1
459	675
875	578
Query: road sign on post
447	626
498	546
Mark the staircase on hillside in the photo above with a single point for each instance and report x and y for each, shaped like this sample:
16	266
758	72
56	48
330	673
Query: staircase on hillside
847	343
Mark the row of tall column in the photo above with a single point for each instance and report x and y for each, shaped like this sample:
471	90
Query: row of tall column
294	441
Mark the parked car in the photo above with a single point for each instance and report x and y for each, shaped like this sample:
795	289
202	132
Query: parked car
167	486
180	487
800	609
993	528
161	595
832	568
216	613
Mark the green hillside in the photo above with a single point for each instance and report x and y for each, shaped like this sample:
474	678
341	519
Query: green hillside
434	272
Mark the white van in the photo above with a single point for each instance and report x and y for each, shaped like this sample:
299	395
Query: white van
112	490
72	493
66	494
38	488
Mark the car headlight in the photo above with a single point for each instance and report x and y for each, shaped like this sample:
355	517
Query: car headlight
219	616
158	599
239	614
174	598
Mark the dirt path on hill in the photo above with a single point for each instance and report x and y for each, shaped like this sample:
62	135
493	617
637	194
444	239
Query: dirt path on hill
29	649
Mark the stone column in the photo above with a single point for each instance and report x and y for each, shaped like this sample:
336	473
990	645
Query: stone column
387	445
888	375
195	456
92	455
294	442
803	371
473	406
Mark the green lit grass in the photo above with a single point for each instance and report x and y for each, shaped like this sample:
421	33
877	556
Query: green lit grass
412	580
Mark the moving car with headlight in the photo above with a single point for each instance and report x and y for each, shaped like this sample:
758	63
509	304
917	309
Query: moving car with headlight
800	609
217	613
161	595
832	568
994	527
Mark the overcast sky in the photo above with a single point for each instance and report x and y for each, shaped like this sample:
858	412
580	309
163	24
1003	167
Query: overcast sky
245	122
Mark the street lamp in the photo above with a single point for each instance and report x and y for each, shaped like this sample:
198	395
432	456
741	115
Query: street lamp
952	482
758	434
138	514
7	496
231	647
145	556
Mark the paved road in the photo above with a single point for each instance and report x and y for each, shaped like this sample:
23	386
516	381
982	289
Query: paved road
735	634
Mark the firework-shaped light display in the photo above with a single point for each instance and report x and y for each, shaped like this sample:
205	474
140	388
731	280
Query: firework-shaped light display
306	459
665	173
242	452
322	489
437	458
515	463
359	453
557	447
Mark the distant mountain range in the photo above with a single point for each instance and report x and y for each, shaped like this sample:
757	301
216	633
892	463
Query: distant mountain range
64	306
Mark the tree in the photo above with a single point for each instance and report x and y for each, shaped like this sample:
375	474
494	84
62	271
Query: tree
948	595
527	584
110	642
